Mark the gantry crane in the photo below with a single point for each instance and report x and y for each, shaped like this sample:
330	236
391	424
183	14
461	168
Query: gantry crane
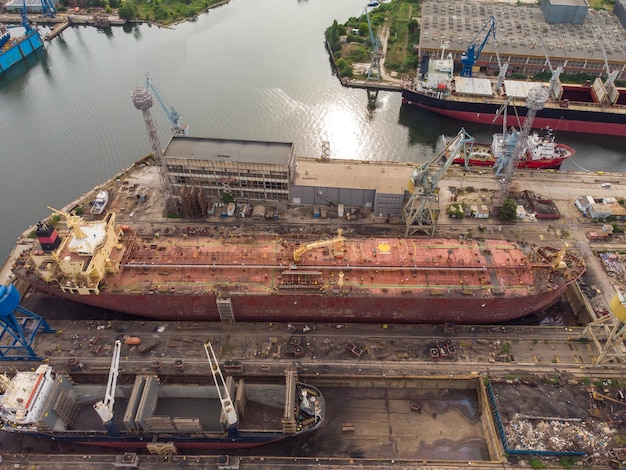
376	46
104	407
422	209
507	163
471	55
170	112
609	331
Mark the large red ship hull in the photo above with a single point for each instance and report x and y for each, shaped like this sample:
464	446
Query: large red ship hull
435	309
265	277
589	119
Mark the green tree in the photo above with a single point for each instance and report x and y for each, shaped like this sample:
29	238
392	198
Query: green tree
128	10
508	213
332	35
345	68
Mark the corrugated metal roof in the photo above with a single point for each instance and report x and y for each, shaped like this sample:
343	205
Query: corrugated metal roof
384	177
246	151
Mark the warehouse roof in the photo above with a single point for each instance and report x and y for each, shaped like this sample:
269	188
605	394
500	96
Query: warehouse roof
384	177
521	30
246	151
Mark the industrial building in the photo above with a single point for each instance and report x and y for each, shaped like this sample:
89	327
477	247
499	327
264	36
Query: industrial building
32	6
202	170
573	36
380	186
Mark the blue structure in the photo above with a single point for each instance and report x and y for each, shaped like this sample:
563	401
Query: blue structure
172	115
471	55
19	327
19	48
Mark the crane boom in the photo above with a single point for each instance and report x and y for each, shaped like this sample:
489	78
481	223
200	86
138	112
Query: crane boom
337	241
172	115
104	408
376	53
225	400
471	55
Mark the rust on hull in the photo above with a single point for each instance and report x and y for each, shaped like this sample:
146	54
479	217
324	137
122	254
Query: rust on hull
265	277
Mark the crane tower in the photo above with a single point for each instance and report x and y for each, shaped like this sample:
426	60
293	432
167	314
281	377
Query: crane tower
535	101
172	115
143	101
608	332
376	46
422	207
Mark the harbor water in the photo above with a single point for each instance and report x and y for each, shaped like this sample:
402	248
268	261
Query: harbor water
250	69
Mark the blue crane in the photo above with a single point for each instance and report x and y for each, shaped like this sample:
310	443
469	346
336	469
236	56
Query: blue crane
471	55
47	9
376	53
170	112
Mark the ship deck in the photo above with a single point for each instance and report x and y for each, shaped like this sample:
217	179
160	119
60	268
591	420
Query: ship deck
381	266
482	91
263	409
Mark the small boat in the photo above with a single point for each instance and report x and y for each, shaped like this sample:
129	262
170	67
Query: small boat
100	203
416	407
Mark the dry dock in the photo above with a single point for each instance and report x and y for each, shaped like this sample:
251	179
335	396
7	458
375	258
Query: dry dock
376	428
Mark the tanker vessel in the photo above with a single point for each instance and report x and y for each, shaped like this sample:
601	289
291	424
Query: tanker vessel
188	276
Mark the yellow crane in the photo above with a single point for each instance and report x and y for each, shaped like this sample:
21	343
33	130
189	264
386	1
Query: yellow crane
600	397
337	242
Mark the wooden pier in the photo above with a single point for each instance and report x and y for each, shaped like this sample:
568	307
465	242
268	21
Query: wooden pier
55	31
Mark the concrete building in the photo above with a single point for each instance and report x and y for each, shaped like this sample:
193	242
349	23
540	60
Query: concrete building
564	11
583	203
619	10
250	170
599	211
479	211
521	31
380	186
200	171
32	6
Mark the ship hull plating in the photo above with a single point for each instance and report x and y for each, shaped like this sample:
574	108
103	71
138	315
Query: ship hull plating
181	442
25	46
449	307
561	119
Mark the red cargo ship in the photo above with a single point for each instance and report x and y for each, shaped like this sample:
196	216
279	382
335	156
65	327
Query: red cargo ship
593	108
